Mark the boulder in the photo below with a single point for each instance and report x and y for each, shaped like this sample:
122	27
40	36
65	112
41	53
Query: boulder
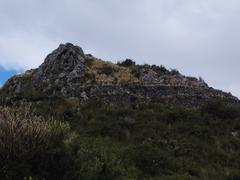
66	61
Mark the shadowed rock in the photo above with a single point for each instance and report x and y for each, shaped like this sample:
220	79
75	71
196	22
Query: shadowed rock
66	61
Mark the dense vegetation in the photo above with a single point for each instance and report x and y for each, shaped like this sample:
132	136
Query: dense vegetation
63	139
79	117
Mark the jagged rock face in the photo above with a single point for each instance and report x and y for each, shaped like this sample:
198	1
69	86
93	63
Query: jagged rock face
66	61
56	76
60	70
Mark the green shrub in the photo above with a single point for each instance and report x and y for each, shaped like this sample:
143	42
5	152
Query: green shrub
127	63
160	69
175	72
95	140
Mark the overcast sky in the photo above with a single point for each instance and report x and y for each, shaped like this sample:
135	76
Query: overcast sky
198	37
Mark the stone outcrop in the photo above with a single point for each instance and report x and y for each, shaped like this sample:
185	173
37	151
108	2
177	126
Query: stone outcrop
67	61
68	72
150	77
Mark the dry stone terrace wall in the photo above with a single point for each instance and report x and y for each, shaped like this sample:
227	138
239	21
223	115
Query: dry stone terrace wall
130	92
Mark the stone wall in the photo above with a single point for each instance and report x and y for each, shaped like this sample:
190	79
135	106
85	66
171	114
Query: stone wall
132	92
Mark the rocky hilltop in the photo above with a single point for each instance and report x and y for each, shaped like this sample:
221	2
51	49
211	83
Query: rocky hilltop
68	72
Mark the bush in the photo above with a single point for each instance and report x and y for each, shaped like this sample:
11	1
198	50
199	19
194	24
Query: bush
160	69
152	161
127	63
30	146
175	72
98	158
221	109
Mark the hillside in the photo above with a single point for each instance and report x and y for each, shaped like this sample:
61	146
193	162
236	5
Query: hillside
79	117
68	72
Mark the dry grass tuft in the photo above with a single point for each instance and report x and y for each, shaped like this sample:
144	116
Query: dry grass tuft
107	72
21	132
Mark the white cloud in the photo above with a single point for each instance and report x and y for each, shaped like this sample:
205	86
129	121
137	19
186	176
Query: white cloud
196	37
21	50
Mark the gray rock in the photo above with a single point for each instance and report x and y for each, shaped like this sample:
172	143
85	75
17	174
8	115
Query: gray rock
61	75
149	76
64	91
234	134
18	88
66	61
61	68
77	72
84	96
68	91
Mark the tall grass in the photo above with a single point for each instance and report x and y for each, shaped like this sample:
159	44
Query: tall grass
23	137
21	131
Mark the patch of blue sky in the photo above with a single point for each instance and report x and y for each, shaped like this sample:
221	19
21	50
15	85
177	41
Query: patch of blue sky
6	74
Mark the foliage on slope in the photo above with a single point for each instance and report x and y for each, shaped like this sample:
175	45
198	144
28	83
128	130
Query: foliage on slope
56	123
101	141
